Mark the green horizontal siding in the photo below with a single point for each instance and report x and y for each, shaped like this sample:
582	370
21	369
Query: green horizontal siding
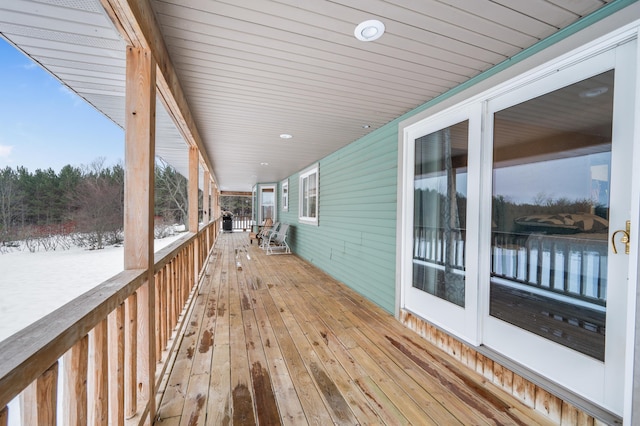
355	239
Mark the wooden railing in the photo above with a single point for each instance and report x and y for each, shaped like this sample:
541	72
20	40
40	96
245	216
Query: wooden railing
573	266
570	265
95	339
242	222
437	246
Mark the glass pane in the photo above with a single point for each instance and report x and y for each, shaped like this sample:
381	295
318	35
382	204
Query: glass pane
440	208
305	197
268	203
312	195
552	160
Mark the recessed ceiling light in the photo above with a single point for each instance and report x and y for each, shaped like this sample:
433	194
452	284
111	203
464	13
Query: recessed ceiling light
365	126
286	136
369	30
264	164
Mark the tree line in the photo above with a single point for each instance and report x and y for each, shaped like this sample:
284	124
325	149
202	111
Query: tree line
85	203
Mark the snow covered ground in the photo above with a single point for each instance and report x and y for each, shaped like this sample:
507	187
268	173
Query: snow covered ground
35	284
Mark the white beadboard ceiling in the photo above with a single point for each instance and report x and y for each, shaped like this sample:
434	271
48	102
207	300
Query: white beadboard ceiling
253	69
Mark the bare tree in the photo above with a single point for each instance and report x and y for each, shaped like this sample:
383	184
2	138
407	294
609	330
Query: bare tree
171	193
100	210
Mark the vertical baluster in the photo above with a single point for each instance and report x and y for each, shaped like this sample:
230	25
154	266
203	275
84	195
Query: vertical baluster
527	255
75	383
116	366
131	347
602	276
552	266
582	276
4	416
495	256
157	312
39	399
99	401
167	299
539	270
565	272
163	312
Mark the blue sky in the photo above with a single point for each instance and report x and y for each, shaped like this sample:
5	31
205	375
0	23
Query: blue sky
43	124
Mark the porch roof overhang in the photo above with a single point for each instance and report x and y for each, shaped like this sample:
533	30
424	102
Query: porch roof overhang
234	75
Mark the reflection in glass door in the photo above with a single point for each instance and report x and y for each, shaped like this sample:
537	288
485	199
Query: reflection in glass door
550	214
439	222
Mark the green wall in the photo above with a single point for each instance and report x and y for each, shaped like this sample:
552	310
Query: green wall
355	240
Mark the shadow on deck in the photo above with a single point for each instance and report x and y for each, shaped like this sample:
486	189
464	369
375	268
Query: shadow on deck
273	340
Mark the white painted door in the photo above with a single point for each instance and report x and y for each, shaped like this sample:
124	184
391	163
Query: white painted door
556	186
442	161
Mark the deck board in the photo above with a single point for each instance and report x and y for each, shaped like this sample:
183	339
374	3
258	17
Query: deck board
273	340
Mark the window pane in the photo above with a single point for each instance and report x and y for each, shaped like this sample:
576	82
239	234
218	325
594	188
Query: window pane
440	206
268	203
552	158
305	197
312	195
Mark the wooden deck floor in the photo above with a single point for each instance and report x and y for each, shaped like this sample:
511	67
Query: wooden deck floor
273	340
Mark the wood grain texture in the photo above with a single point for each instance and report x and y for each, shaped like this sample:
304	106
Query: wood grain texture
39	400
280	342
116	322
75	383
131	345
99	391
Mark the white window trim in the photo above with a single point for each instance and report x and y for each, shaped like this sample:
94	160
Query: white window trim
285	196
304	174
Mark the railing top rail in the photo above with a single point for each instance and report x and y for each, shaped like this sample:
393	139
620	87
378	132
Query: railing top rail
29	352
164	255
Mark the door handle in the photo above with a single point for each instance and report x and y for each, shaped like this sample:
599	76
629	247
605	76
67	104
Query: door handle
626	238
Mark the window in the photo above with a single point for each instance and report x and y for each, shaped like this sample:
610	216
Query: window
285	195
309	183
268	203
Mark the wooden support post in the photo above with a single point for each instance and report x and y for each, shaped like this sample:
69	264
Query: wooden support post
194	175
99	400
39	399
116	367
206	198
139	199
75	383
4	416
206	206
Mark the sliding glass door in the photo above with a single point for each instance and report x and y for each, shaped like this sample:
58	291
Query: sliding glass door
561	150
510	204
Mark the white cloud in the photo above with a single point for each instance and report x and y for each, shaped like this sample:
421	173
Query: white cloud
5	150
